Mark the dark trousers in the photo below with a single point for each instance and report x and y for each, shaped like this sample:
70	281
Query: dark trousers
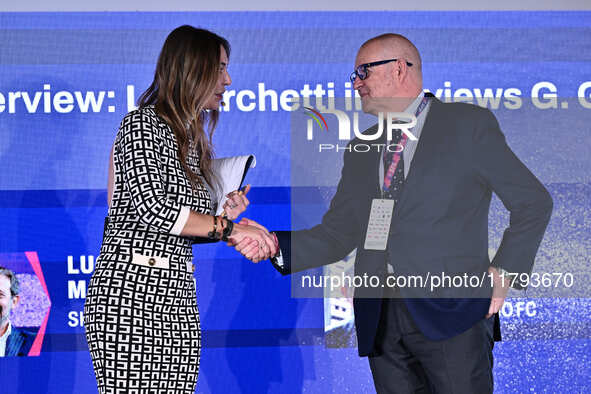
407	362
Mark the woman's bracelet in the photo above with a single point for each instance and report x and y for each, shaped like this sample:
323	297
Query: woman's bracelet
227	230
213	234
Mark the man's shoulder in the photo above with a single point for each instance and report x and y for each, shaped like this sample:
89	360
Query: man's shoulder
457	115
460	109
20	341
22	332
461	119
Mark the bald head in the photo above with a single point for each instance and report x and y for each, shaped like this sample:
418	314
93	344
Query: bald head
385	85
396	45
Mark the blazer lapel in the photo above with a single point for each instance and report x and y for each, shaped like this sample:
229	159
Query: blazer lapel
420	160
366	163
14	343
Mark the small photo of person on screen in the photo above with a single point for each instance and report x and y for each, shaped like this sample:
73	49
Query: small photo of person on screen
13	341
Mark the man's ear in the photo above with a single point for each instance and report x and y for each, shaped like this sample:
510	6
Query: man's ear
15	300
396	72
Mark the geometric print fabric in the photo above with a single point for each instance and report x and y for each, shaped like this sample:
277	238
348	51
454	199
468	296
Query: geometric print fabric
142	323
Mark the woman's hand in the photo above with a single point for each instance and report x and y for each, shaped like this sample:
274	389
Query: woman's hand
236	203
255	241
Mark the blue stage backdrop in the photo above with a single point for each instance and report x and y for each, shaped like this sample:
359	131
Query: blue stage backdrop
67	79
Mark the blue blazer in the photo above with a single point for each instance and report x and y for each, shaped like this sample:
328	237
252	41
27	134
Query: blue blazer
19	342
439	224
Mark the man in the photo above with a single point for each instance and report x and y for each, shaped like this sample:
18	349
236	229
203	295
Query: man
13	341
441	185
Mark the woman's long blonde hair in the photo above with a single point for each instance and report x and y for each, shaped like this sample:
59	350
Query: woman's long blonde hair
185	78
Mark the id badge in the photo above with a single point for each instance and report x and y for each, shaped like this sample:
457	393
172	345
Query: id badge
378	227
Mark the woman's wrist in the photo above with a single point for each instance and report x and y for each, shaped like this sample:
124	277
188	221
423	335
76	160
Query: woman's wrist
221	228
214	230
228	229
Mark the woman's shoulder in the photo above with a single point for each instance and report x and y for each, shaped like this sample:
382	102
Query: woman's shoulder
142	113
143	117
142	122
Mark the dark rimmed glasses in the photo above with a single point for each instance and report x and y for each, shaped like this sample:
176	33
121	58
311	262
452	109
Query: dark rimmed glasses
361	70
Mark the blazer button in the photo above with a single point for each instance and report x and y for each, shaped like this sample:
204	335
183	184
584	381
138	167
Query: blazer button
152	261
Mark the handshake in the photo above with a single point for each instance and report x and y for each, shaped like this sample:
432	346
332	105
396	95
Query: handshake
253	241
248	237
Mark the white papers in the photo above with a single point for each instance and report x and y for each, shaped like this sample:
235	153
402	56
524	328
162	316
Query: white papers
230	172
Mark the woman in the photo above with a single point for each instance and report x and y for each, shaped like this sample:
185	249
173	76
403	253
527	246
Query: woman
141	318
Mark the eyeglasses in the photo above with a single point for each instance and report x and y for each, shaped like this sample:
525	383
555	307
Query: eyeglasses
361	70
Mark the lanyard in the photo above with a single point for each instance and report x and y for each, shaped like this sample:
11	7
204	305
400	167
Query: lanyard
421	107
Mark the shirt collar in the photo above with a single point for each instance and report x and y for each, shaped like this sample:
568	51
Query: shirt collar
412	108
8	331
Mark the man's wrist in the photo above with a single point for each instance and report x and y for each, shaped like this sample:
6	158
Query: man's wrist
506	275
276	244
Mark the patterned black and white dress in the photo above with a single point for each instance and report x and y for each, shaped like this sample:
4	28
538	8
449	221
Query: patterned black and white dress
141	317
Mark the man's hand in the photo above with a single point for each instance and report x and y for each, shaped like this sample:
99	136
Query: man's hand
236	203
500	289
250	248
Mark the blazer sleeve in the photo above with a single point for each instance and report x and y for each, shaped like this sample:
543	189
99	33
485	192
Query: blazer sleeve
331	240
527	200
140	141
